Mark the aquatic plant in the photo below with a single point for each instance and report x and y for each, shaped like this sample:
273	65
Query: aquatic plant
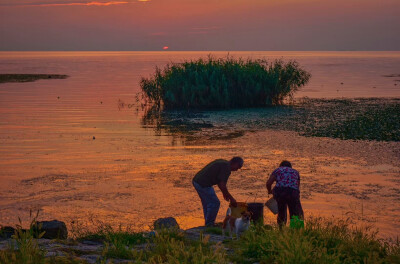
361	119
224	83
381	124
4	78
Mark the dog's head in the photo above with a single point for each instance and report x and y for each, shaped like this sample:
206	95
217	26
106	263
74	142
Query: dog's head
246	216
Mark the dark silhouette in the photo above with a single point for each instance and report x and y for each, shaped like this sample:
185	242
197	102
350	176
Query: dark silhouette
215	173
286	191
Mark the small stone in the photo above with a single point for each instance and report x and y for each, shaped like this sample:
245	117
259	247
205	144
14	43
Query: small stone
53	229
168	222
6	232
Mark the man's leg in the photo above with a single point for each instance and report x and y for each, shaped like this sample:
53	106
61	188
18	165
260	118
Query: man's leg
201	193
213	204
209	201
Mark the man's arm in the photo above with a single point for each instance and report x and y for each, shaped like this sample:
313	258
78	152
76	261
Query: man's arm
270	181
226	194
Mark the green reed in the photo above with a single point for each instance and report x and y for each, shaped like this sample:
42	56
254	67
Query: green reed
224	83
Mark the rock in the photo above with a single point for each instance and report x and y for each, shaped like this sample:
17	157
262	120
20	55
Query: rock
168	222
94	258
195	234
6	232
54	229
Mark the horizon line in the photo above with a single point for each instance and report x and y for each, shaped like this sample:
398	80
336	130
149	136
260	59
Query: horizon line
197	50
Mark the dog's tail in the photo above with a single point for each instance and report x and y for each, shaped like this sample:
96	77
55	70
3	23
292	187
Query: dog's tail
229	212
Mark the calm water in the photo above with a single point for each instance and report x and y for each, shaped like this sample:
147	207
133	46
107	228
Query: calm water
49	160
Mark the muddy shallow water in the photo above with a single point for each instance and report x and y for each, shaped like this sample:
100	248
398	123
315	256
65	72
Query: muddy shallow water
81	156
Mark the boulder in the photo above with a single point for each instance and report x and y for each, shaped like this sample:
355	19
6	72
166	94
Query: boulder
54	229
168	222
6	232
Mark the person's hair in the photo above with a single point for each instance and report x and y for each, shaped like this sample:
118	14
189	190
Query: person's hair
237	160
285	163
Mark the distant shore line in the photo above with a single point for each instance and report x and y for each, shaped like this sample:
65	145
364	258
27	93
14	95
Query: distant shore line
11	77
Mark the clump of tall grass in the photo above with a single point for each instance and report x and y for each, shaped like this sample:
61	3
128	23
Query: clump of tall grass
224	83
24	248
321	241
167	246
176	248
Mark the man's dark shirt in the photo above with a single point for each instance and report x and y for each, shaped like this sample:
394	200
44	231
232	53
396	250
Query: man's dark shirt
215	172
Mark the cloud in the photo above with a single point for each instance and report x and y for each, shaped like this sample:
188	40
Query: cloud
73	3
206	28
158	33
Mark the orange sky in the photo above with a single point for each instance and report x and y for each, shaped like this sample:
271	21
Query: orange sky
199	25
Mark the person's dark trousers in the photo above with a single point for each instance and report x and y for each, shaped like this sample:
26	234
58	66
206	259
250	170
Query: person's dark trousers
287	197
209	201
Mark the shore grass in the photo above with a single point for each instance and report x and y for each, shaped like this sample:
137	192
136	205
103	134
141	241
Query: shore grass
320	241
6	78
224	83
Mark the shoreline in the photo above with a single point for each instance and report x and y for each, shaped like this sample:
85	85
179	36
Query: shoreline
168	242
17	77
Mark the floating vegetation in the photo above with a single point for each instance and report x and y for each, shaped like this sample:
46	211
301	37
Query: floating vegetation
224	83
391	75
378	123
356	119
5	78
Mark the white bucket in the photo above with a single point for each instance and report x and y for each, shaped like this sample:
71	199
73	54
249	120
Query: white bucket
272	205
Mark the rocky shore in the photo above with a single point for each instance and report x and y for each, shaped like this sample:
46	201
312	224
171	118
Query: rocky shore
56	243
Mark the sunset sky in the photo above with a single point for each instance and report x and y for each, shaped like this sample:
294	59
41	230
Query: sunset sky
200	25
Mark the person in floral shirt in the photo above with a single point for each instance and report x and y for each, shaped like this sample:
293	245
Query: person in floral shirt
286	191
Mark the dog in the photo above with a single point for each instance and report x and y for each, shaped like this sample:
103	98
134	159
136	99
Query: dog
238	225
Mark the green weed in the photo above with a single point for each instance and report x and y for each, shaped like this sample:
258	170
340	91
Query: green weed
24	248
321	241
224	83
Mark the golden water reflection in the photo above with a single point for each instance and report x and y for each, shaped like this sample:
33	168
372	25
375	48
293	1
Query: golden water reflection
80	157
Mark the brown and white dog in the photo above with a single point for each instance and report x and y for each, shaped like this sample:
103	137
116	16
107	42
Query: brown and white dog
238	225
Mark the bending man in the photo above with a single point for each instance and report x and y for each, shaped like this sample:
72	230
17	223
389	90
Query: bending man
215	173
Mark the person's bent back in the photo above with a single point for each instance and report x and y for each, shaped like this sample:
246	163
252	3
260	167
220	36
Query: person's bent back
215	173
286	191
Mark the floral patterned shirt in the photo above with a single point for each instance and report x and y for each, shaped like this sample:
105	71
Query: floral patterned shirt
287	177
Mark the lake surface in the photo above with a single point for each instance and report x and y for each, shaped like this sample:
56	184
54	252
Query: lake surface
77	149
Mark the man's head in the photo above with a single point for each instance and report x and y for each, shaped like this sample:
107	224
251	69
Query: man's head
285	163
236	163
